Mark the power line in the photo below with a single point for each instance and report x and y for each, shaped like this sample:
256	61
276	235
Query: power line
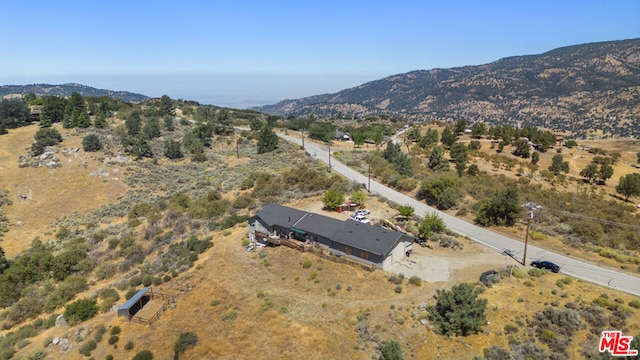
583	217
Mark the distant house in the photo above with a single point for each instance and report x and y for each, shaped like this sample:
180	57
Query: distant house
342	136
36	111
559	140
369	244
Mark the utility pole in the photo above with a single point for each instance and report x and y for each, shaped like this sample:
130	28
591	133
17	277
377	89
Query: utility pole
369	188
532	207
302	132
329	143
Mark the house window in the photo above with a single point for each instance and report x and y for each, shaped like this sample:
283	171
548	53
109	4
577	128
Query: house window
348	250
364	254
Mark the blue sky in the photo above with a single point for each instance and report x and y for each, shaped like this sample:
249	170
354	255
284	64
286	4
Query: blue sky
244	53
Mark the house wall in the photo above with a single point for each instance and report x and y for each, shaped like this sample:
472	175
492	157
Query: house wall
396	254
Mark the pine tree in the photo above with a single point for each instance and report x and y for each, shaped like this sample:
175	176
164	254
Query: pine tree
267	140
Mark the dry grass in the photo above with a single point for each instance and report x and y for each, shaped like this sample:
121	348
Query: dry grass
269	306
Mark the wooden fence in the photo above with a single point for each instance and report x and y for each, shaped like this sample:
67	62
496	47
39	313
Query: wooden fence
168	300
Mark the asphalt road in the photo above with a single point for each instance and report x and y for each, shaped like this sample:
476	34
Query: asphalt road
575	268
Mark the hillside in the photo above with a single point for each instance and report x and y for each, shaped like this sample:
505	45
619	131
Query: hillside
66	90
573	89
106	224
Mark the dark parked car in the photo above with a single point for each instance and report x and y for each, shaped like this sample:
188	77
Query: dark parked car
546	265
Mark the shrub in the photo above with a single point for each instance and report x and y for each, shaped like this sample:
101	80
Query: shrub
458	311
511	328
143	355
635	303
398	289
130	293
518	273
391	350
91	143
99	332
306	264
87	347
396	279
215	302
415	280
185	341
113	339
80	310
231	315
115	330
129	345
535	272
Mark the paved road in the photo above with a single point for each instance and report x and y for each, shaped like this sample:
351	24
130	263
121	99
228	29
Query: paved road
576	268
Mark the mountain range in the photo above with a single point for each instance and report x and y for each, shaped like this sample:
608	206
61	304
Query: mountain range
67	90
582	89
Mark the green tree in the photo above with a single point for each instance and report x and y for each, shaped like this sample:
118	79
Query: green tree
13	113
605	173
502	209
143	355
473	170
151	129
80	310
91	143
267	140
430	223
448	198
4	262
448	137
400	160
406	210
535	157
138	147
100	121
185	341
172	150
378	137
478	130
48	136
629	185
53	109
414	134
133	123
557	165
333	199
437	161
522	149
167	106
458	311
431	137
391	350
461	126
570	143
358	197
474	145
590	172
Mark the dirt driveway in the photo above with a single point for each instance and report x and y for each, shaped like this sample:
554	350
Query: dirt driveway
444	265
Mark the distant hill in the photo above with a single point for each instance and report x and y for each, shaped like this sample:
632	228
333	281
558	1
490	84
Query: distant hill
67	89
575	88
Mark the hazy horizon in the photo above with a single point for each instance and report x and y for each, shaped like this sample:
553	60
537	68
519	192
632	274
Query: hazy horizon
249	53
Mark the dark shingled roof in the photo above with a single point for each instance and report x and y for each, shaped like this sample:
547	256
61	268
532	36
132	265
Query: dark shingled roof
374	239
319	224
276	214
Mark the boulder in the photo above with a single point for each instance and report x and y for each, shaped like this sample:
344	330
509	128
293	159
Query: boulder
60	321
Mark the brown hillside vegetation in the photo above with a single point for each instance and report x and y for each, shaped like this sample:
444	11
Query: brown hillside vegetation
265	304
245	305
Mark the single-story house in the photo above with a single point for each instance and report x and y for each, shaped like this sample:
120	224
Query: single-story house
342	136
369	244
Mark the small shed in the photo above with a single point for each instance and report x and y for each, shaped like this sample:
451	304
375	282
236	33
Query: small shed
489	277
133	305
